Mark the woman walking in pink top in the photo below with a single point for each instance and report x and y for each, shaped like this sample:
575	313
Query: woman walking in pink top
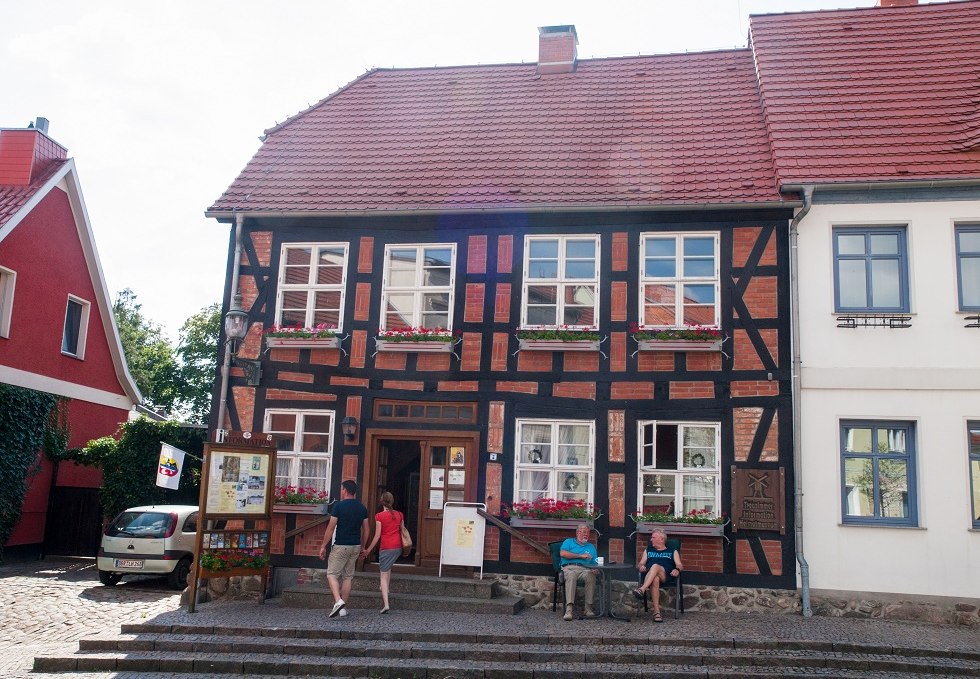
387	530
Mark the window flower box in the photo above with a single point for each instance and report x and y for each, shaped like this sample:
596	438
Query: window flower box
687	338
561	524
558	345
302	342
416	347
321	508
678	345
415	339
672	528
561	338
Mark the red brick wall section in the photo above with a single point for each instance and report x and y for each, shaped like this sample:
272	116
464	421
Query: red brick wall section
498	355
760	297
774	555
620	251
746	357
293	395
495	429
699	554
681	390
581	361
501	303
349	381
574	390
473	311
461	385
505	254
744	388
622	391
616	450
617	351
651	361
476	255
390	360
744	240
744	559
248	289
362	302
295	377
354	410
262	242
617	303
349	470
491	543
495	474
406	385
471	351
431	362
308	542
277	535
697	361
617	500
746	422
521	552
252	344
518	387
245	405
535	361
358	348
284	355
617	550
324	356
365	255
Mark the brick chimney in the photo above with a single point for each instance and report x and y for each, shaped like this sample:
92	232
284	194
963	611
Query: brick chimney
556	49
897	3
27	154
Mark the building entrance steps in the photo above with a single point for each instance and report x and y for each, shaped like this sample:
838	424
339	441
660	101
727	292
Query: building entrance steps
412	592
188	651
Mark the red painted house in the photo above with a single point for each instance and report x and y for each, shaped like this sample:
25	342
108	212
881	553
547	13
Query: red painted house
57	333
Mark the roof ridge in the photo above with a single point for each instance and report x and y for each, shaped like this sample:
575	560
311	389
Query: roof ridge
853	10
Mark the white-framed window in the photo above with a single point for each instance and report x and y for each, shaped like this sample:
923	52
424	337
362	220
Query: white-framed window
561	282
305	452
679	280
680	465
8	278
418	286
76	327
555	460
312	282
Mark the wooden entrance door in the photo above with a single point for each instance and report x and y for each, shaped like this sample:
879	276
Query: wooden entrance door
448	472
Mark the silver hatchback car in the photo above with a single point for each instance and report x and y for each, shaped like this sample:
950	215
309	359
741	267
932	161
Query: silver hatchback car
151	540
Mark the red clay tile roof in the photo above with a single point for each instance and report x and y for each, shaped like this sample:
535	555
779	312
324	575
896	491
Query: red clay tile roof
872	94
13	198
659	130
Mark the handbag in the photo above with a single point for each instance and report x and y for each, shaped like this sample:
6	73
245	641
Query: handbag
406	539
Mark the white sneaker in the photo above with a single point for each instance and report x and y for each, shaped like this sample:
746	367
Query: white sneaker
343	612
337	608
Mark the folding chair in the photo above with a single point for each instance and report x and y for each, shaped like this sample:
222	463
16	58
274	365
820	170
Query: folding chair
555	548
670	582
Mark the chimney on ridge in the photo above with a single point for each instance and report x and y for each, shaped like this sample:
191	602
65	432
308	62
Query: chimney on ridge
25	154
556	49
897	3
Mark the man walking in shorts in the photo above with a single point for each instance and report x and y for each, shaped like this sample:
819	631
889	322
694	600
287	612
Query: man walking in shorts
349	522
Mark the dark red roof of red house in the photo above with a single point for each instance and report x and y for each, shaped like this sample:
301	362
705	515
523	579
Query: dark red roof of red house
677	129
28	158
867	95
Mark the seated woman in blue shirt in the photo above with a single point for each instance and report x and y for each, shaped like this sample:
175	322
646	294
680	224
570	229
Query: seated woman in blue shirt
659	563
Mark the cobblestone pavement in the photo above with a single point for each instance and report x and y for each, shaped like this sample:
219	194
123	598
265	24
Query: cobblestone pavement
46	607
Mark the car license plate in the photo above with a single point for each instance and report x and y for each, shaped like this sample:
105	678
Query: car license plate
129	563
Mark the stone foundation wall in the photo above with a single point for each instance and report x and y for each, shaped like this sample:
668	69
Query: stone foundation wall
946	610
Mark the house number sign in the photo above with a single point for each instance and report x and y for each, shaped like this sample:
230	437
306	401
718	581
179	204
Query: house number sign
758	499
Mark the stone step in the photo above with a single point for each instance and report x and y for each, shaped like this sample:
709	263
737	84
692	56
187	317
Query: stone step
382	665
308	596
431	585
529	652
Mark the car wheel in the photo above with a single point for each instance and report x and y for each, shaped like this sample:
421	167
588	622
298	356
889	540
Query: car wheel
109	579
178	576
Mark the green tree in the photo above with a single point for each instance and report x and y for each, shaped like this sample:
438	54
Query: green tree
150	356
198	354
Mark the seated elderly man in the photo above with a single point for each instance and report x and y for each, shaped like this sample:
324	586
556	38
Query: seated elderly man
657	562
578	559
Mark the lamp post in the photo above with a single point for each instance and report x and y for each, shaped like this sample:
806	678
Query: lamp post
236	327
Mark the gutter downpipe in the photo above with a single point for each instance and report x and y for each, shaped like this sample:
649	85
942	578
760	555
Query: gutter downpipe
226	364
794	287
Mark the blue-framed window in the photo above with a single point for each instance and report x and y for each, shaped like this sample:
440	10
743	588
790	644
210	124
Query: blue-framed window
973	441
871	272
878	473
968	266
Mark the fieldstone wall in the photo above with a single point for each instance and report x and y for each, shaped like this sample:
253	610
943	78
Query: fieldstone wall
237	588
945	610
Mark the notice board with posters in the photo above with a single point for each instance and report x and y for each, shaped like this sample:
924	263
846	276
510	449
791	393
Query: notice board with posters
238	481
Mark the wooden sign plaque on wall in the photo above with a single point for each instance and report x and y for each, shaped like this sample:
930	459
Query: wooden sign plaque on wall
758	499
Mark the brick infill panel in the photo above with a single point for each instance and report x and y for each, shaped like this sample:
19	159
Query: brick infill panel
698	554
325	356
574	390
365	254
535	361
682	390
617	303
472	349
649	361
293	395
505	254
521	552
622	391
432	362
406	385
295	377
498	353
620	251
518	387
262	242
581	361
703	362
362	302
745	559
449	385
774	555
350	381
501	303
476	255
491	543
390	360
473	309
284	355
744	388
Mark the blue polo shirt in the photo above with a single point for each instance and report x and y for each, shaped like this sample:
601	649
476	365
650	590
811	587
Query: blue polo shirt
572	545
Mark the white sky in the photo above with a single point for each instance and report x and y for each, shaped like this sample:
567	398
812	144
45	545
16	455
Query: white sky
161	103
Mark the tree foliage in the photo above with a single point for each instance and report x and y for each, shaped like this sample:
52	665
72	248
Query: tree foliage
151	359
198	354
129	464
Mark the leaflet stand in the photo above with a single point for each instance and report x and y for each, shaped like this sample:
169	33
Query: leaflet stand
463	532
237	483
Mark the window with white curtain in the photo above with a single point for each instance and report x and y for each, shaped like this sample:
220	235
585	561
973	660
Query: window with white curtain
561	282
555	460
679	467
305	448
878	472
312	279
